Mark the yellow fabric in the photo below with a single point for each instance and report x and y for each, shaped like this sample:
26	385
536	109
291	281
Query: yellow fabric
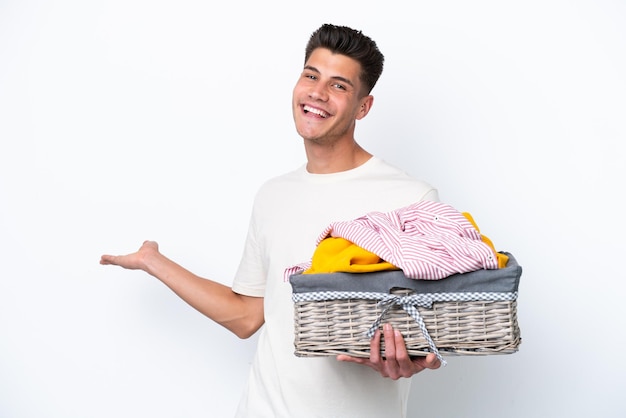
502	258
336	254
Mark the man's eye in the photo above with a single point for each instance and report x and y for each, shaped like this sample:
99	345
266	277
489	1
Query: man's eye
339	86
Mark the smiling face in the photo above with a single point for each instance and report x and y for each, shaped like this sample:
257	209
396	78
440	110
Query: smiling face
327	98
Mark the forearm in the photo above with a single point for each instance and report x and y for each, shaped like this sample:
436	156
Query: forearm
243	315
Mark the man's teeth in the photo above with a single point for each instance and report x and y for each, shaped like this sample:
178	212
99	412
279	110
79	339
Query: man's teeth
316	111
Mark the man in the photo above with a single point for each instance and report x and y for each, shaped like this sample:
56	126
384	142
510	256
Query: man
340	181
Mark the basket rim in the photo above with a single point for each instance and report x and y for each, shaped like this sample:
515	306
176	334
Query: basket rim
503	280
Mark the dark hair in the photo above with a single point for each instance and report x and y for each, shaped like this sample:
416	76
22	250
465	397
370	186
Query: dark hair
351	43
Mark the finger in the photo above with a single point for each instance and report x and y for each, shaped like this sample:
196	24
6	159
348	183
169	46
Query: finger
390	342
375	347
113	260
400	364
401	353
432	362
350	359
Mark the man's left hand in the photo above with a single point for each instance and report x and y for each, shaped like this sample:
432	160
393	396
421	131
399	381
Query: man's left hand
396	363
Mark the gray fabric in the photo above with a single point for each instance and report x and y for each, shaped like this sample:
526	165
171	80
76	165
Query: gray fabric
500	280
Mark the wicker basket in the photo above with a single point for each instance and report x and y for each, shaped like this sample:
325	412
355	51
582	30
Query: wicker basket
464	314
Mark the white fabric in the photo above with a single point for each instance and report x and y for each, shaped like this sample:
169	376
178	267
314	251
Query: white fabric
288	214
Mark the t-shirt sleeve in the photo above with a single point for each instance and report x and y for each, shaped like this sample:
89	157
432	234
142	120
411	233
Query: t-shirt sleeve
251	274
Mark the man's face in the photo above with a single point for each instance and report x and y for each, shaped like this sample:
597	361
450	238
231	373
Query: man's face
326	100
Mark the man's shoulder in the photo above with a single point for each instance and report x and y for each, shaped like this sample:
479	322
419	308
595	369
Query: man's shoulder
394	181
389	172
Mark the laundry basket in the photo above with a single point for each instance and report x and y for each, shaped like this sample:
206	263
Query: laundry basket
464	314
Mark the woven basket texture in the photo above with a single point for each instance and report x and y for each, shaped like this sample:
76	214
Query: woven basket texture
339	326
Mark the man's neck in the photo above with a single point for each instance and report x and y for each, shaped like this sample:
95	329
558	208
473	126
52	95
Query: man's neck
327	160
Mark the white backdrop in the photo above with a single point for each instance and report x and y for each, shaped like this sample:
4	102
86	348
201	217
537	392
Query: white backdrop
129	120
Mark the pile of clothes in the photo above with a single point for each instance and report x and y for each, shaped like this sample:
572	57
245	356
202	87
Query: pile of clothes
426	240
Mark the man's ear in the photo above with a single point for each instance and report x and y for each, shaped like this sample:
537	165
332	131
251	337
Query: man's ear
366	105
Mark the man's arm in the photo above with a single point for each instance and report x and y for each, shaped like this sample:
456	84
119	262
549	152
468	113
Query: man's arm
243	315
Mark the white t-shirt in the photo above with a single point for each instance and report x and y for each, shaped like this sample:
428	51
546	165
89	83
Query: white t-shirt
289	213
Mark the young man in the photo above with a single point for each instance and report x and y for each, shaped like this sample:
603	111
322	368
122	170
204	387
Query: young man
340	181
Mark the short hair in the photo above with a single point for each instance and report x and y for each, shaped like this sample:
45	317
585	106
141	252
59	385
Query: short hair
351	43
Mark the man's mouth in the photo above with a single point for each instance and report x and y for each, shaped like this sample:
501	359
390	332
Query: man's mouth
318	112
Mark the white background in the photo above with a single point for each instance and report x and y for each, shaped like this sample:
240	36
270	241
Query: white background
122	121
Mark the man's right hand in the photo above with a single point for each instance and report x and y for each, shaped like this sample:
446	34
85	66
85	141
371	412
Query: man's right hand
133	261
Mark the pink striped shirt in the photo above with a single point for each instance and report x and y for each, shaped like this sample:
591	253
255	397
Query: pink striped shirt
427	240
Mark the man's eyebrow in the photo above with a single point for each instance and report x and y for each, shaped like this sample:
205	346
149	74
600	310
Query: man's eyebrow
337	77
